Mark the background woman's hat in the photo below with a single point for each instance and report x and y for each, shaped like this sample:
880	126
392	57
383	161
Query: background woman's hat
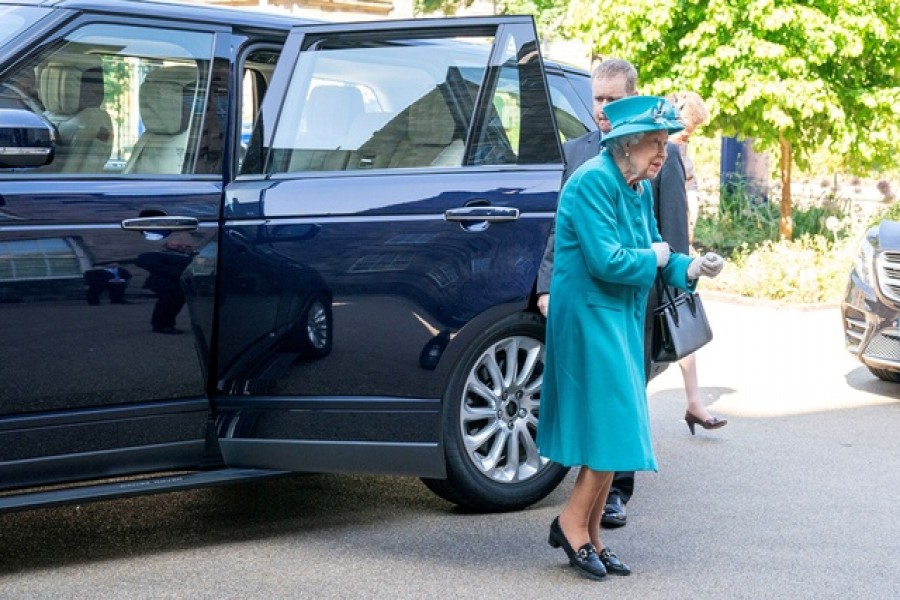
640	114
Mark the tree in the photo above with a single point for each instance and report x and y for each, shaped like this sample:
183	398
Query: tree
448	7
794	75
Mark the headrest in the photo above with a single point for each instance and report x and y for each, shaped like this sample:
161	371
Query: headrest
329	111
70	86
167	98
430	121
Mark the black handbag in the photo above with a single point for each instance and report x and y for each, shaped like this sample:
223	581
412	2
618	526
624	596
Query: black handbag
680	326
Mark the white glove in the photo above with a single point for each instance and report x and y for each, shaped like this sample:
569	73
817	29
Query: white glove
543	304
708	265
662	251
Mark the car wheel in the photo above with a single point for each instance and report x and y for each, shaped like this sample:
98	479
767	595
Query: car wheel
315	328
490	418
885	375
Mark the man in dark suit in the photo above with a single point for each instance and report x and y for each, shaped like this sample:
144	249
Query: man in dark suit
614	79
165	269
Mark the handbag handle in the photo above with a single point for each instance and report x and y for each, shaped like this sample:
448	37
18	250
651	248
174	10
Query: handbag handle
660	283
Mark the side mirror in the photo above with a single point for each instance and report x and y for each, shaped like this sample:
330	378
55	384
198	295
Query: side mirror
26	139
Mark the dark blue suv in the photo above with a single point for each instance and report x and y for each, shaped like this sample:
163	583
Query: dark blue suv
350	288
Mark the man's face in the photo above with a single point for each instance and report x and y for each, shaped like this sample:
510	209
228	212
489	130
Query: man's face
604	91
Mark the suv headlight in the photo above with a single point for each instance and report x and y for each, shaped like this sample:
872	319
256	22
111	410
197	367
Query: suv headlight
865	263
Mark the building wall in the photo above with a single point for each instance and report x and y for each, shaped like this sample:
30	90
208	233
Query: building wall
329	10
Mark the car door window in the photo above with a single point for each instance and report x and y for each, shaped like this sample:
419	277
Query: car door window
389	103
515	127
571	116
123	99
257	70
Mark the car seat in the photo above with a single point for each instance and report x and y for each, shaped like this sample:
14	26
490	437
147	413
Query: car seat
166	103
325	143
71	91
430	139
422	135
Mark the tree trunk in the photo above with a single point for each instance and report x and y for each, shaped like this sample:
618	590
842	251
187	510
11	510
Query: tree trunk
786	226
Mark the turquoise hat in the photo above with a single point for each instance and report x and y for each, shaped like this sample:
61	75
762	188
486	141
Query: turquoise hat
640	114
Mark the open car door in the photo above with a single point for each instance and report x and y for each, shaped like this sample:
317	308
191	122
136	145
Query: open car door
393	204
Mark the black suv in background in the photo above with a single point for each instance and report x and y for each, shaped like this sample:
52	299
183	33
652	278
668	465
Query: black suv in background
871	307
348	289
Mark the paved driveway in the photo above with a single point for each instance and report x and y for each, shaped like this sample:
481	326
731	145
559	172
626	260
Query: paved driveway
795	498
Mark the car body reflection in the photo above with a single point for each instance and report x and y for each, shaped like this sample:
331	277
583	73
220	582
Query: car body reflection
278	310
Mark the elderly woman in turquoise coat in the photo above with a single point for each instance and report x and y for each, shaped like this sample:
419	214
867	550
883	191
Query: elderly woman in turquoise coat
608	251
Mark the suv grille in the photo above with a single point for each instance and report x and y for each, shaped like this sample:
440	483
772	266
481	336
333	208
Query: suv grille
885	347
889	275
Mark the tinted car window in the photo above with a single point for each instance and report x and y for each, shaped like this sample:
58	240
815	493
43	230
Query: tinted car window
122	99
14	19
257	73
407	103
568	109
516	128
392	104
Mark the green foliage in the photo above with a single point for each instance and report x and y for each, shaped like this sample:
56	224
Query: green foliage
447	7
891	213
116	85
740	222
811	269
820	74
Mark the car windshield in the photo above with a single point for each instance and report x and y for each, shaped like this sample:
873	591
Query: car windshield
15	19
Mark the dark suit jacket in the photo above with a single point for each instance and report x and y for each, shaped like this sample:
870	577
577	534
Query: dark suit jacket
165	268
670	201
575	153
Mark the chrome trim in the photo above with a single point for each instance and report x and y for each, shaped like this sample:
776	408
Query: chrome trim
856	328
165	223
880	362
490	214
887	266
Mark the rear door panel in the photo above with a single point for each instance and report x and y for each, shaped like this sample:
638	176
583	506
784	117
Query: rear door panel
417	206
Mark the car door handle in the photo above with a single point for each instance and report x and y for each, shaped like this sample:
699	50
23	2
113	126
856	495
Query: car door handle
491	214
160	223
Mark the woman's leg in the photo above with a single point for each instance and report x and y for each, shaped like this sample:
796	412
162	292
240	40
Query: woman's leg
597	515
582	513
695	406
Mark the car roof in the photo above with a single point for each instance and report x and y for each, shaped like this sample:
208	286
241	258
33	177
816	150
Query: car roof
189	10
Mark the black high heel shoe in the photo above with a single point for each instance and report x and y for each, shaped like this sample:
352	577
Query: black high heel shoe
710	423
585	559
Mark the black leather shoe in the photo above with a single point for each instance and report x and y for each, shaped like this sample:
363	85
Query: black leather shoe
613	565
613	513
585	559
168	330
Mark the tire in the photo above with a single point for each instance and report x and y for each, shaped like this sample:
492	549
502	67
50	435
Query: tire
885	375
490	416
314	333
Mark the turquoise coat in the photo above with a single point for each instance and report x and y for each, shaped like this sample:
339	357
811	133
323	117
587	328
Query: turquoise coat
594	399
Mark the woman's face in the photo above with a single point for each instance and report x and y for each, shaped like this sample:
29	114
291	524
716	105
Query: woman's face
648	154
